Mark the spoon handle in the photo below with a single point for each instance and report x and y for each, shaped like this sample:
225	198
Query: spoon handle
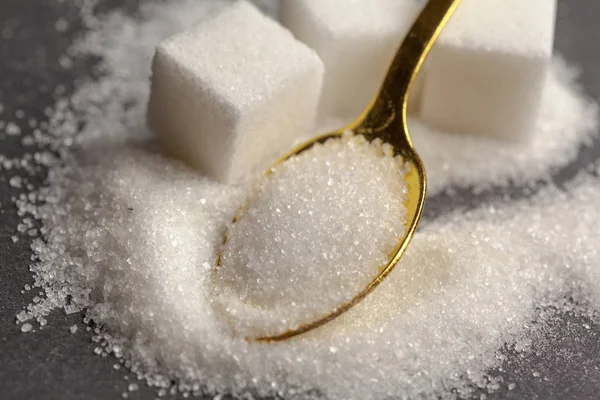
393	95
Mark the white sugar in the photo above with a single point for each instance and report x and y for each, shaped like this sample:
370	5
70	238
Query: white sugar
132	239
568	120
16	182
61	25
133	387
446	309
12	129
313	235
356	45
485	74
227	86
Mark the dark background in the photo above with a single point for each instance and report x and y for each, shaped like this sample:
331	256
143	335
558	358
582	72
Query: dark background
52	363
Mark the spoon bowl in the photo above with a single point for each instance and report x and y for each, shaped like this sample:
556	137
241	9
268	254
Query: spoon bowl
385	119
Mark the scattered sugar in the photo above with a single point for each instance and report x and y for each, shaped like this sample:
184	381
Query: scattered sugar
22	316
61	25
65	62
16	182
71	309
127	239
12	129
313	235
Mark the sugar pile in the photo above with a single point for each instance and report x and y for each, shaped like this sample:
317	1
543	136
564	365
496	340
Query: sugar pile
133	238
310	238
119	198
466	285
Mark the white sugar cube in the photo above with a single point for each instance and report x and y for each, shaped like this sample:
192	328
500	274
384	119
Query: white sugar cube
487	71
356	39
233	93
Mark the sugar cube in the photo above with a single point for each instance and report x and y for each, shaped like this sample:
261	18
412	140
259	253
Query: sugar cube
487	71
234	92
356	41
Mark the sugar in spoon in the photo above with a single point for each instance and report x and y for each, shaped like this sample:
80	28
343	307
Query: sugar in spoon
384	119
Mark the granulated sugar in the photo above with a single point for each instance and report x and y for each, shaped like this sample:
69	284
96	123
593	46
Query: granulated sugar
313	235
468	283
116	217
132	238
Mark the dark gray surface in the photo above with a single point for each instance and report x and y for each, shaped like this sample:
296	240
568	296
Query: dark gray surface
53	364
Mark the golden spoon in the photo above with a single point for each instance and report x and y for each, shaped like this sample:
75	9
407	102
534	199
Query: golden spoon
385	119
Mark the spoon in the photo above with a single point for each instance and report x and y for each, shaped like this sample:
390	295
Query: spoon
385	119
